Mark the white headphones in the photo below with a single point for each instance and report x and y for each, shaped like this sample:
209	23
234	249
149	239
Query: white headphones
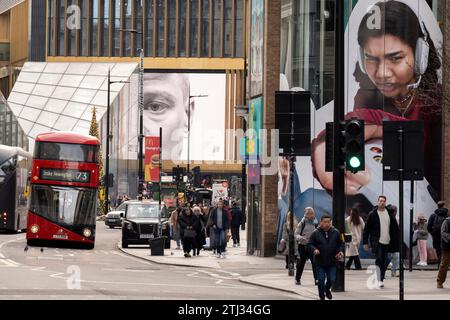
420	57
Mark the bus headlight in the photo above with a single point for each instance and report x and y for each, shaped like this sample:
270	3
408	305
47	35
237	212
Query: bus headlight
34	228
87	232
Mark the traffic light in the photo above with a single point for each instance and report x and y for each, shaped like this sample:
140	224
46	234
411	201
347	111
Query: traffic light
197	177
354	145
178	174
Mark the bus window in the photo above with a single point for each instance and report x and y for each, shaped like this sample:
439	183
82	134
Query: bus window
66	152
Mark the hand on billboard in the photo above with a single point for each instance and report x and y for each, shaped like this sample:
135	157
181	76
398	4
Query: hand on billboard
353	181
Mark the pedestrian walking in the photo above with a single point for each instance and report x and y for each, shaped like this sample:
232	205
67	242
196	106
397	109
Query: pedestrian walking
445	258
326	244
356	227
210	232
220	222
284	242
422	239
200	240
394	255
189	228
175	228
302	234
237	218
435	225
382	231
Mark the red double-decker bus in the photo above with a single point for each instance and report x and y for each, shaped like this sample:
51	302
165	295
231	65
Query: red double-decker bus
64	184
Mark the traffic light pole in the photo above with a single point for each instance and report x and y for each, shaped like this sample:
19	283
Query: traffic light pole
338	166
291	257
411	222
401	200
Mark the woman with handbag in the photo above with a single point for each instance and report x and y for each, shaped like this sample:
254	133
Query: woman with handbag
355	226
189	228
201	232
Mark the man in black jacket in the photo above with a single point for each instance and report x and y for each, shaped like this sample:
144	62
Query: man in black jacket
382	231
435	224
237	219
326	244
219	223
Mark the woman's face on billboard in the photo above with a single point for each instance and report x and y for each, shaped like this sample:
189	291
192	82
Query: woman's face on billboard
389	64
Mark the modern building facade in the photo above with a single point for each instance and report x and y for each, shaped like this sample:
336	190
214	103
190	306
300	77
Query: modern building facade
14	33
197	47
299	41
11	133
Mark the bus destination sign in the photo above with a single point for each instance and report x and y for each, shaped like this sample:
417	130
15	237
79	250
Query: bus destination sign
65	175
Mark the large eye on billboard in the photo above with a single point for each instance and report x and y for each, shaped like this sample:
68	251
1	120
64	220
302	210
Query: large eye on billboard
393	73
190	109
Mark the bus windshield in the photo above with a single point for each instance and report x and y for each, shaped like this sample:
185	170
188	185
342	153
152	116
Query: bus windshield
65	152
6	168
66	206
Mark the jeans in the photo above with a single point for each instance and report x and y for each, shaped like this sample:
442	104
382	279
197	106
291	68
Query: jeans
382	260
443	267
235	235
175	235
303	256
422	246
219	239
325	272
395	259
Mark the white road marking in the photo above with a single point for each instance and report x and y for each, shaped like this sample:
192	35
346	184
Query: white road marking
10	262
38	269
50	258
126	270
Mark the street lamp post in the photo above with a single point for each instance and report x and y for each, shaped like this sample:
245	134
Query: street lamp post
108	137
141	111
189	131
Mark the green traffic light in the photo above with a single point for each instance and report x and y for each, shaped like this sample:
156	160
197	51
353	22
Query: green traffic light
355	162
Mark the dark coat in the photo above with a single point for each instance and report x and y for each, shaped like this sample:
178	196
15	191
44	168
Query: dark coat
225	218
372	231
328	243
440	213
189	221
237	217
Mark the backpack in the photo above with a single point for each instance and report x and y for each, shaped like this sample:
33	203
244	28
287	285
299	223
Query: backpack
303	224
445	237
437	225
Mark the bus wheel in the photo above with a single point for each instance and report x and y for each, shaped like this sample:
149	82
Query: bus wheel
124	245
111	227
89	246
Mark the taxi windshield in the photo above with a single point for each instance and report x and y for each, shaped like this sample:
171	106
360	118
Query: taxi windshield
136	211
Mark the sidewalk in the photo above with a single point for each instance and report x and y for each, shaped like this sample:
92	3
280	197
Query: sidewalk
235	257
360	285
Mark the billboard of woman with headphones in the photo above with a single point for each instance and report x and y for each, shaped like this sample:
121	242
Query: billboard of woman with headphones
393	72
